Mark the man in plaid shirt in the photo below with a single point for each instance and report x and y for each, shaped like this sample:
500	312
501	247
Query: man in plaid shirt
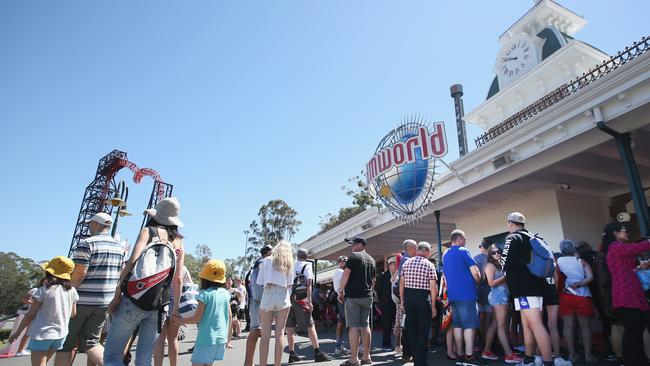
418	291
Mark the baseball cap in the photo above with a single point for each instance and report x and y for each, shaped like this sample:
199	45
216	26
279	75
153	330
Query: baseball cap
517	217
392	259
265	249
356	239
101	218
343	258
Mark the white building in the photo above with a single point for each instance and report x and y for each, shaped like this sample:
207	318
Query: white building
542	154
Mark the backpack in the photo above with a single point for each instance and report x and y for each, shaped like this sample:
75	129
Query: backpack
147	284
299	287
542	262
188	303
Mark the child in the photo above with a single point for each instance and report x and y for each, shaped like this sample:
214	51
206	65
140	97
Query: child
212	314
53	304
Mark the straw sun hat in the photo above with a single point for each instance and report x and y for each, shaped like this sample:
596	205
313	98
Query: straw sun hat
166	212
60	267
214	271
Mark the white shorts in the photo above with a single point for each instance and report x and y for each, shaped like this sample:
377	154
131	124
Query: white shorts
275	298
529	302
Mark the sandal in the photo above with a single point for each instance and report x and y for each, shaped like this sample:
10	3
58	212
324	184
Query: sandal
452	358
366	362
348	363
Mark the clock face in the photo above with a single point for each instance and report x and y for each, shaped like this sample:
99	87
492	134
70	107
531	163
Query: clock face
515	59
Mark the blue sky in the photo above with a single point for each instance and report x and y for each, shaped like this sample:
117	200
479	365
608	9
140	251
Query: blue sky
235	103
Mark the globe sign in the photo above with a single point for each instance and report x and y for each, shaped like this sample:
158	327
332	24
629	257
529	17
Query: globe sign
401	172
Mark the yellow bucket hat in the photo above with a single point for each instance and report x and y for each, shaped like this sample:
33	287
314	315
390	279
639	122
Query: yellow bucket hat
60	267
214	271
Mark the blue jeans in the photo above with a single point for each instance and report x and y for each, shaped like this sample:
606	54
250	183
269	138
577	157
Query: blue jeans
124	321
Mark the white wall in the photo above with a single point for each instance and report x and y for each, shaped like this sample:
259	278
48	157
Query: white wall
583	216
541	211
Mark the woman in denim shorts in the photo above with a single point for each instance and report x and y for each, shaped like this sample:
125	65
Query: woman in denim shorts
276	275
498	299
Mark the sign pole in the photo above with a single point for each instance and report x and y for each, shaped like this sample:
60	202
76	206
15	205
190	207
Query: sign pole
437	214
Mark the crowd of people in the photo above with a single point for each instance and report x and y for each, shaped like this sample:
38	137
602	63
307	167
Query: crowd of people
518	292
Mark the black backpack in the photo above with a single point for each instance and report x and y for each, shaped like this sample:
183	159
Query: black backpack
299	287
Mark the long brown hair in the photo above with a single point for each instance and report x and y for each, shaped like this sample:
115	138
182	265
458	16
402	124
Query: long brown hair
490	258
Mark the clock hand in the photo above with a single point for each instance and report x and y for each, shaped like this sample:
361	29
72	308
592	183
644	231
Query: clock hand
509	59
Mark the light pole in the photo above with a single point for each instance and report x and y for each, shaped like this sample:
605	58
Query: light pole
119	200
246	232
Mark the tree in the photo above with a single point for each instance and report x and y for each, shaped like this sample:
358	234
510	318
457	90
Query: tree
203	253
193	266
362	199
236	267
276	221
18	276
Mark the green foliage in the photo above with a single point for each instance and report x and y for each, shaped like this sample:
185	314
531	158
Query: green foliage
18	276
276	221
194	263
362	199
236	267
325	264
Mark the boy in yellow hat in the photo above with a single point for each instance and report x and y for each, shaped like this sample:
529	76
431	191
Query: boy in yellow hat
53	304
212	314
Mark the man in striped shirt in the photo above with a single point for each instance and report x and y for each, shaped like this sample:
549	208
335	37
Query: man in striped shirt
98	262
418	292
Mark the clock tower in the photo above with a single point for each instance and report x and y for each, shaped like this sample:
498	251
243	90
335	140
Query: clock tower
538	54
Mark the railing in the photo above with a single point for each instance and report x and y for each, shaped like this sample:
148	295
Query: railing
566	89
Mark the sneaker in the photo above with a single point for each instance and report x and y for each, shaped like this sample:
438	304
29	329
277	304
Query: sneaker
341	351
590	359
513	358
539	361
489	356
469	361
25	352
611	357
319	357
559	361
519	348
386	349
293	357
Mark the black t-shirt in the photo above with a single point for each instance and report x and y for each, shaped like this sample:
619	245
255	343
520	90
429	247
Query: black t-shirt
362	272
515	258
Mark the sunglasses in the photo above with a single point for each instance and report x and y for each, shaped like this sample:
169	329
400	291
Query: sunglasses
495	252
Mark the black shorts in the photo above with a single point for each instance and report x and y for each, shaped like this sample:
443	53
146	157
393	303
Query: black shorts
551	295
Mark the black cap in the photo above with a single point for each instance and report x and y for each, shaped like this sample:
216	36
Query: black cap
265	249
356	239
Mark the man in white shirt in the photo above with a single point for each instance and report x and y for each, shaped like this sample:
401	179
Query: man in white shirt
340	326
301	308
243	298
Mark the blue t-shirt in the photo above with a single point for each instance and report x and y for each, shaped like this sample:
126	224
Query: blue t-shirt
483	287
460	282
213	327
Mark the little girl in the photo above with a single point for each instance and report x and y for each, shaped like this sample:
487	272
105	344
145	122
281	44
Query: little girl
53	304
212	314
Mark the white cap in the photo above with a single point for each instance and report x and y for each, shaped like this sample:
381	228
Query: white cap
102	219
517	217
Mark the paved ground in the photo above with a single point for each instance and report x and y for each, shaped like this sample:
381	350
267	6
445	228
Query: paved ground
236	356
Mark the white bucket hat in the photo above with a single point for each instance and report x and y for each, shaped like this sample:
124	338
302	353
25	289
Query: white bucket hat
166	212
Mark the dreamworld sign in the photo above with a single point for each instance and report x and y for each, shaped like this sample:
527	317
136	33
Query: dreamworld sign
401	171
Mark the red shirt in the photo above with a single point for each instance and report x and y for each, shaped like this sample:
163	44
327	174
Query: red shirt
626	287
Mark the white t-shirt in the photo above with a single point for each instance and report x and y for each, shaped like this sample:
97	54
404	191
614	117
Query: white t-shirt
309	272
268	275
242	291
336	279
51	321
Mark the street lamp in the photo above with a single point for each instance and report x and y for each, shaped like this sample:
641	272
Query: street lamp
119	200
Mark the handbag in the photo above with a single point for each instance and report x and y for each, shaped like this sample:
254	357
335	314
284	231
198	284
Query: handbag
188	303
